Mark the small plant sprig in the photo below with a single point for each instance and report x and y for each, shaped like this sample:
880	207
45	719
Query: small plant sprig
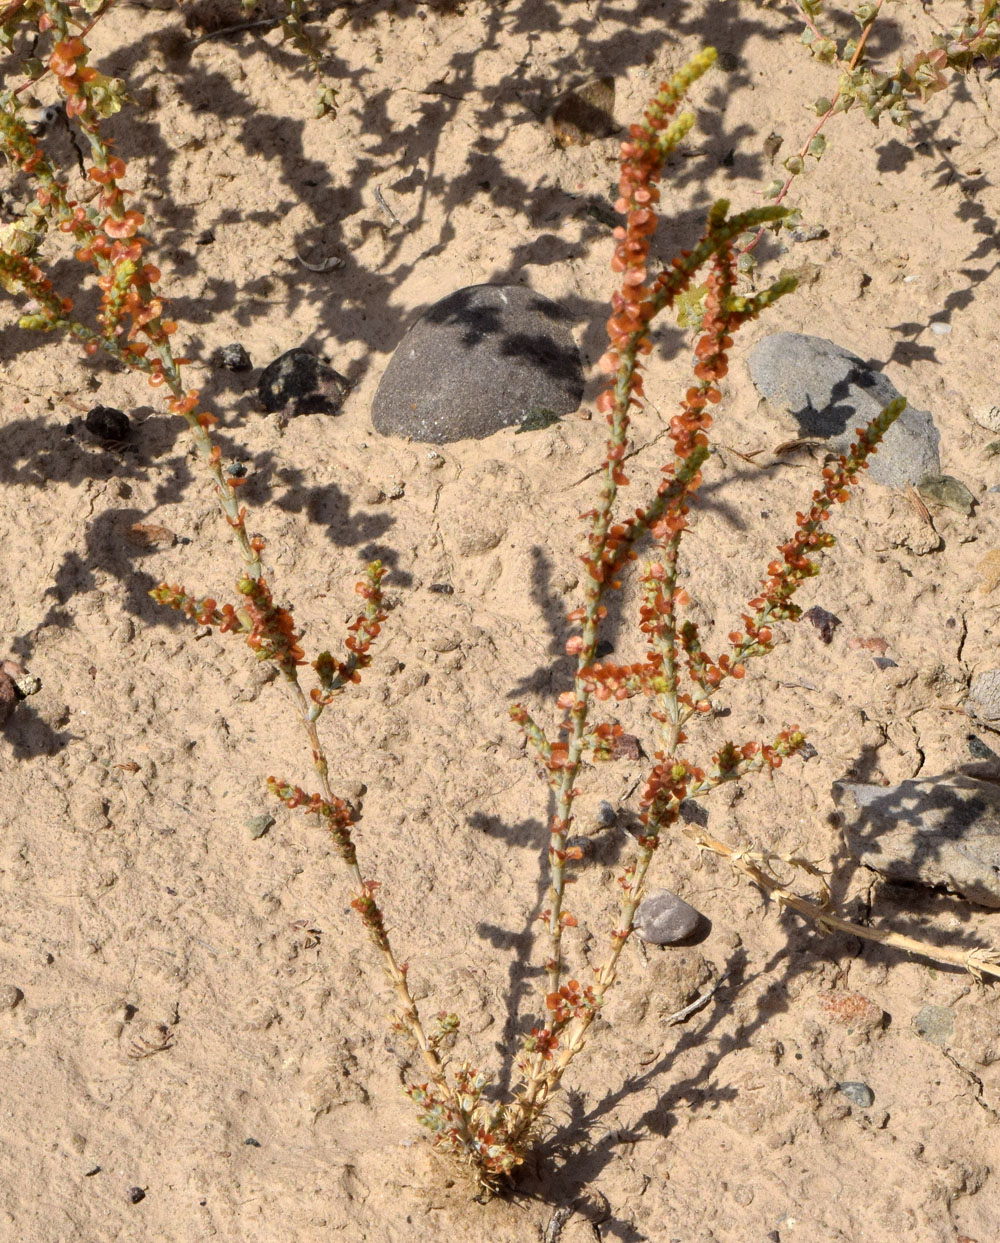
875	91
675	654
295	32
132	329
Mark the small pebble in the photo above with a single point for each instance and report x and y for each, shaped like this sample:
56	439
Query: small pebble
108	424
234	358
854	1011
298	382
584	113
883	662
606	815
251	1142
979	750
812	233
664	919
10	997
442	589
604	648
940	329
934	1023
858	1094
259	825
136	1195
948	491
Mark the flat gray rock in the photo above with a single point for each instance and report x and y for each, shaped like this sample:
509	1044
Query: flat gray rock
665	919
481	359
984	696
939	831
830	392
934	1023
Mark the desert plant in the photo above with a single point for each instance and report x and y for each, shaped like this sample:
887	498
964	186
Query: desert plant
490	1134
876	91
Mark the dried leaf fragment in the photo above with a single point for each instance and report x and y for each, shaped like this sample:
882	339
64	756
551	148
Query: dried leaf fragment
913	496
150	535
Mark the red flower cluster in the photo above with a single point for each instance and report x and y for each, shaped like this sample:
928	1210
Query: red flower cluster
371	916
570	1001
335	813
785	576
272	631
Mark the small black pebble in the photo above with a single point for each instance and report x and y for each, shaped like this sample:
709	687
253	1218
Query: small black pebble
206	237
604	648
107	423
252	1143
234	358
69	429
443	589
91	1173
883	662
135	1194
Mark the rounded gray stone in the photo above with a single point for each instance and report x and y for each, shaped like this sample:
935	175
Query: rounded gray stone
665	919
482	359
830	392
984	696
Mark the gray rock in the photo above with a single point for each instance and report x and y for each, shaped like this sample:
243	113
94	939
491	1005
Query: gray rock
665	919
858	1094
259	825
234	358
606	815
984	696
10	997
478	361
830	392
298	382
934	1023
935	831
987	416
585	113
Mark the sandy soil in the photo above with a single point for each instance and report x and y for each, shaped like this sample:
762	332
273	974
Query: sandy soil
138	911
